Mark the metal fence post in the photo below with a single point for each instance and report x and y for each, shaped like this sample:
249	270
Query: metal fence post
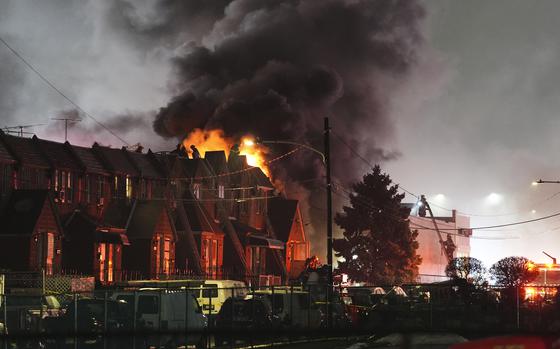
105	316
308	310
292	306
517	305
187	309
75	314
135	313
5	318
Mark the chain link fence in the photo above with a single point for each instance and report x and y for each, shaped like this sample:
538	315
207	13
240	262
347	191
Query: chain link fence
226	316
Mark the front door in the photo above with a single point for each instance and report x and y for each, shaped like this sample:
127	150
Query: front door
106	257
45	251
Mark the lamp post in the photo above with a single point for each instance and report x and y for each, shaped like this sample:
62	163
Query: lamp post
540	181
325	155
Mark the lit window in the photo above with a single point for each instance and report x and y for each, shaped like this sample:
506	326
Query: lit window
221	191
128	187
196	190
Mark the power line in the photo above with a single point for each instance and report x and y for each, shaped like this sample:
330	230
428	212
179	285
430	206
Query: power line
50	84
431	203
400	219
226	174
367	162
368	204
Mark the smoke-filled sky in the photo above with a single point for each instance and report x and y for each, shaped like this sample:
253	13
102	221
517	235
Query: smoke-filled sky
452	97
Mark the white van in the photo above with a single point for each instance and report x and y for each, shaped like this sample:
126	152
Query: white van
215	292
165	310
294	308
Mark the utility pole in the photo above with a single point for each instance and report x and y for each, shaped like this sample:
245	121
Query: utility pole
66	120
329	220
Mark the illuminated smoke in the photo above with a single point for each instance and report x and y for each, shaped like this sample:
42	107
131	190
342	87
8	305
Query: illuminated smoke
275	68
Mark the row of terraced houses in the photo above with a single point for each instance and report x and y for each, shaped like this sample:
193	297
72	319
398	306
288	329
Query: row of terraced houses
117	214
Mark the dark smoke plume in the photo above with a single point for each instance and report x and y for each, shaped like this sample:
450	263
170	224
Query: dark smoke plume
276	68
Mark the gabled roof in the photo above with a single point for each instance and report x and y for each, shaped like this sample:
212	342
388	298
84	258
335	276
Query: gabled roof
217	161
117	214
115	160
146	166
58	155
282	213
167	162
195	168
22	210
144	218
89	160
260	179
199	218
25	150
5	155
80	224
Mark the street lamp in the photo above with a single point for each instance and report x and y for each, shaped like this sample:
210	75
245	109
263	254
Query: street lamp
325	156
540	181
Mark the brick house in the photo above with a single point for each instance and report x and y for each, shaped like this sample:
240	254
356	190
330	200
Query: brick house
31	234
127	214
32	170
94	183
94	248
8	163
65	176
285	217
152	235
125	177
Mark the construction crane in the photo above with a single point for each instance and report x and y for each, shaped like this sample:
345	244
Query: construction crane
19	129
448	246
553	258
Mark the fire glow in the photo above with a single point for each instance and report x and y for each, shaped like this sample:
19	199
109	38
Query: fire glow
209	140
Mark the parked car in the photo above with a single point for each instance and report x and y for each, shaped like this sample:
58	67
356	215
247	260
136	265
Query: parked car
243	319
172	313
87	317
215	292
24	312
293	308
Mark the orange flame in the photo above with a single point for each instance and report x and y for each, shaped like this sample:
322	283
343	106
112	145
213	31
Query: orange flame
208	140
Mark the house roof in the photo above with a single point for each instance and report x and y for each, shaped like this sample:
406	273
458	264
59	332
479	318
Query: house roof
144	218
59	155
217	161
90	160
260	178
22	210
116	160
117	214
282	213
167	162
26	151
244	229
5	155
80	223
199	218
146	166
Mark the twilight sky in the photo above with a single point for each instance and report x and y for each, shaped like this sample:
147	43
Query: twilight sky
478	116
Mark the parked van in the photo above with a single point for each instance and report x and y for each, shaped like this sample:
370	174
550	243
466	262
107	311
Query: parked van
175	311
293	308
214	293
